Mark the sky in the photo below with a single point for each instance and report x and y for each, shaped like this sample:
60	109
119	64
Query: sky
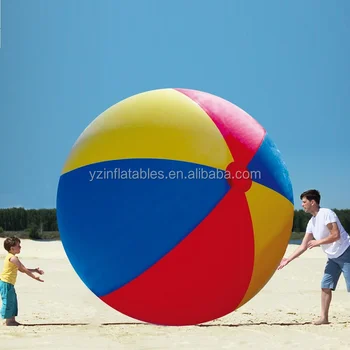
64	62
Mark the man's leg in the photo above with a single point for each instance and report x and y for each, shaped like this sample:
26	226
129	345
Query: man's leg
329	282
344	262
326	298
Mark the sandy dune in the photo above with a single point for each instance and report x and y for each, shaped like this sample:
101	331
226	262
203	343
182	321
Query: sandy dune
62	313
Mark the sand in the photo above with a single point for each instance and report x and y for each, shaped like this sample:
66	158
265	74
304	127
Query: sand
62	313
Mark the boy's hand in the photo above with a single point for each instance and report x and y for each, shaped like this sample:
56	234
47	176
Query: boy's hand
38	279
40	272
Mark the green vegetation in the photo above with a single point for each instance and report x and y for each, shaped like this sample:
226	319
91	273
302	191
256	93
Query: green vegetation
26	234
29	223
42	223
296	236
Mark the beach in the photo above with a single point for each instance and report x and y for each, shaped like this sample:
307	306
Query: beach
62	313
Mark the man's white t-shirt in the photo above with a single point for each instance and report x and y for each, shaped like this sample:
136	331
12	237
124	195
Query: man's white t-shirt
318	227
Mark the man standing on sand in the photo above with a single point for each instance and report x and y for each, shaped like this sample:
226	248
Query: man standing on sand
325	230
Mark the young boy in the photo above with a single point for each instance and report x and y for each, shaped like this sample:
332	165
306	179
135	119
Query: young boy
8	278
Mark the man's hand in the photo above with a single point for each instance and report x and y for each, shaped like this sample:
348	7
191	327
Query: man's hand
313	244
40	272
283	263
38	279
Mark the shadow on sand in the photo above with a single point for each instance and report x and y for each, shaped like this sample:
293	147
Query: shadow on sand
283	324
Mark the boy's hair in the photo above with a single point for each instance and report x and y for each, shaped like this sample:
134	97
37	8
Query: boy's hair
11	242
311	195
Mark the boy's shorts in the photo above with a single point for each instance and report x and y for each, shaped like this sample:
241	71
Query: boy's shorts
333	270
9	306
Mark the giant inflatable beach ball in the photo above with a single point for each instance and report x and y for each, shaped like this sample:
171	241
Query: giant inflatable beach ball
175	207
